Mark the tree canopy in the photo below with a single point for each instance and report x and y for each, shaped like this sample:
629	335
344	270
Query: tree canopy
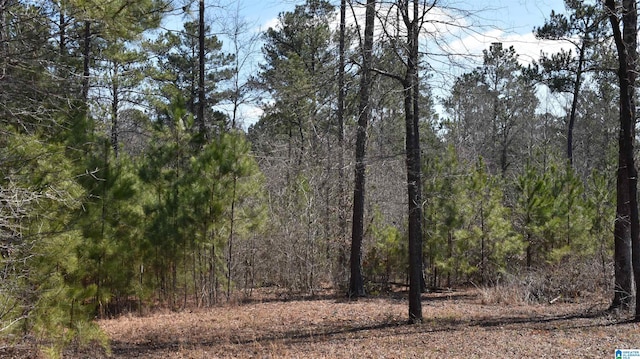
127	180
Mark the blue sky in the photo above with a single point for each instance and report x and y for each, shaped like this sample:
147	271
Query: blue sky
514	16
508	21
523	15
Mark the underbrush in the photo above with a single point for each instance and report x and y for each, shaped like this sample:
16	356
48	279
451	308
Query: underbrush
566	281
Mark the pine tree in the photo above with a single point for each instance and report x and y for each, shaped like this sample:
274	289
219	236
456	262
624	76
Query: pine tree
564	71
491	109
442	215
177	74
486	245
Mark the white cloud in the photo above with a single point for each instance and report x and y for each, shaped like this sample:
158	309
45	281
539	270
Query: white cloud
529	48
437	20
459	49
454	39
526	45
250	114
271	23
247	114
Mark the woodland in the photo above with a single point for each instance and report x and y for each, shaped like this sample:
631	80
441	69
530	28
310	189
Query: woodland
131	176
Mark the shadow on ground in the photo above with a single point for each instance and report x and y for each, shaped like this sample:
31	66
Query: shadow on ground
336	332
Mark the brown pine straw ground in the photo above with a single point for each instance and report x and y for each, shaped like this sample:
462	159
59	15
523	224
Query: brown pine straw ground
456	325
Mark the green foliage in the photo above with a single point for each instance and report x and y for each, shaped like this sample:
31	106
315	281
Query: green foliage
42	265
120	19
583	26
486	244
111	222
442	184
476	230
298	60
86	230
192	189
471	236
175	74
601	211
386	261
554	215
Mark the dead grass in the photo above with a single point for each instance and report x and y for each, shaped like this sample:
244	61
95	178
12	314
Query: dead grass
457	324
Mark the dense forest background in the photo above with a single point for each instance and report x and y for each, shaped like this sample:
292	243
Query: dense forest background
127	178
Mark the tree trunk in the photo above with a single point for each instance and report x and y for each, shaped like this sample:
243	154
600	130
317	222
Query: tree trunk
415	210
414	181
62	46
418	256
201	59
356	283
86	53
115	104
574	104
630	21
4	38
342	210
232	224
626	225
483	240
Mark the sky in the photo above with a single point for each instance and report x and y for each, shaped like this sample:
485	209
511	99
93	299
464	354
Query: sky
507	21
520	15
510	22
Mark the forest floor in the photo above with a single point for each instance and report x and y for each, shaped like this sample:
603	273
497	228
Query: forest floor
458	324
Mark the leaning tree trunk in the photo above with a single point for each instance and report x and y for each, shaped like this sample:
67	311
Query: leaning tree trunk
574	104
356	283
